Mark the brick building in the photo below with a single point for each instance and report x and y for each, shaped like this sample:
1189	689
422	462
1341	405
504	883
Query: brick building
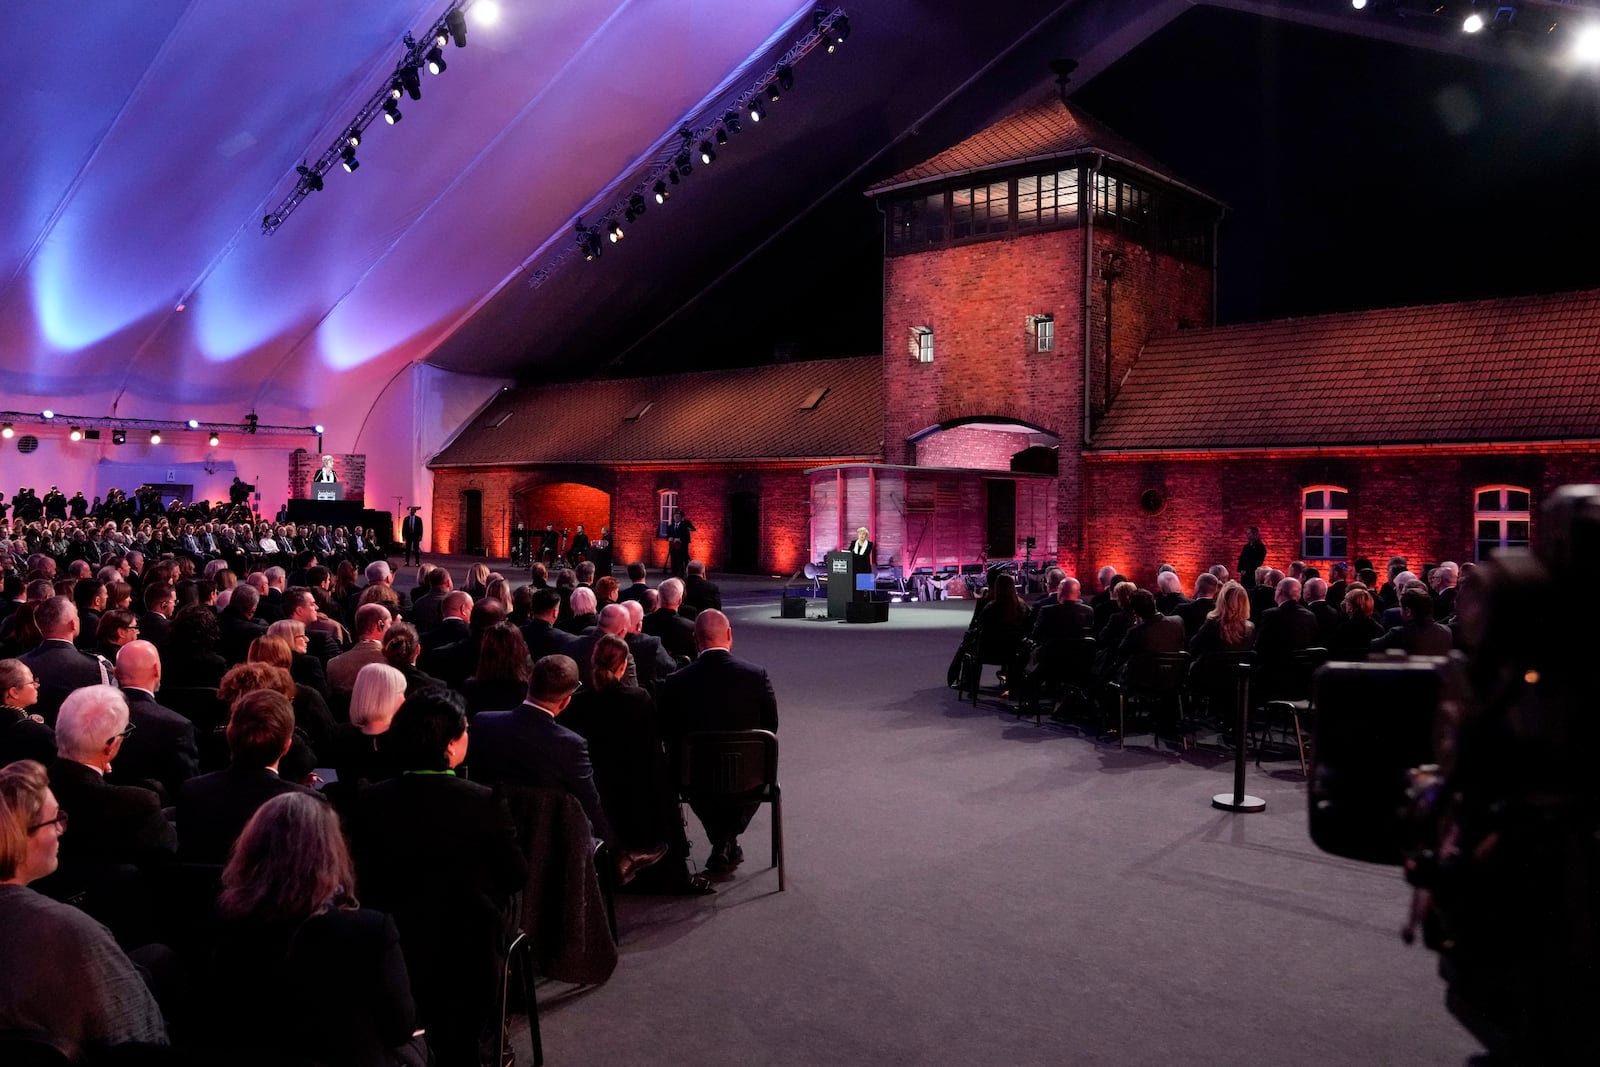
1050	372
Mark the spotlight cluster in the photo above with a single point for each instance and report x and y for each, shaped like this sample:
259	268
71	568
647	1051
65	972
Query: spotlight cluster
699	144
1528	25
426	53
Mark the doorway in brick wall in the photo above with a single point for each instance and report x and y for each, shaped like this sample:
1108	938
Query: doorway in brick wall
566	506
744	533
471	536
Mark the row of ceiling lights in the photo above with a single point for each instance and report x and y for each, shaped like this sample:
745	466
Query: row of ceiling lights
829	30
427	53
83	426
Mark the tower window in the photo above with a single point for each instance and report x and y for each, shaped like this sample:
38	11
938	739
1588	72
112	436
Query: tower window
922	344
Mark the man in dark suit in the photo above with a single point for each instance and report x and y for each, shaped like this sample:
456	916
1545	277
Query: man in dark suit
427	609
300	605
411	534
717	692
1169	593
648	652
162	747
1418	634
1286	628
1195	611
636	591
57	663
1152	632
1338	582
1067	619
1251	556
213	808
447	651
239	624
114	827
698	593
160	601
675	631
440	854
526	746
614	621
1443	582
541	635
1328	618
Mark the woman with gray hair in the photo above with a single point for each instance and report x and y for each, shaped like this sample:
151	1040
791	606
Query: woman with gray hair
360	749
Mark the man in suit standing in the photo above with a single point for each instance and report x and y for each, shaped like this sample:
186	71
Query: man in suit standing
699	594
411	534
675	631
526	746
57	663
717	692
162	747
1251	556
213	808
678	536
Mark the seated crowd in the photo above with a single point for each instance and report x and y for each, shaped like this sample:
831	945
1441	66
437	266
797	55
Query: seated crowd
1278	621
276	849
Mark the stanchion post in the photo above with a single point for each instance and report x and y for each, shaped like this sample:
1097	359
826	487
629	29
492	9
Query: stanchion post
1239	800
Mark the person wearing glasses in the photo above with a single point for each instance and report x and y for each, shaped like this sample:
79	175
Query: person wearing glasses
115	629
100	1000
23	734
115	826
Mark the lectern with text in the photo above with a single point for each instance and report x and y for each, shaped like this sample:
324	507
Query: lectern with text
841	584
327	490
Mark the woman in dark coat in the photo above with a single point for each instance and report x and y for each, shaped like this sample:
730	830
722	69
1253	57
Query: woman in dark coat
501	679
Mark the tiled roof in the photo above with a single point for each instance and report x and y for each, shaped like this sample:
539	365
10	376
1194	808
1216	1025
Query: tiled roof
751	413
1046	130
1518	369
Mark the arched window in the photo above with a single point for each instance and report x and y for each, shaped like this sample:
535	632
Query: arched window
668	511
1502	517
1324	522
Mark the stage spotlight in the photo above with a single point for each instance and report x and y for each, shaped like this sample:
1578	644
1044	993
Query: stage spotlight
353	138
672	175
47	414
636	205
731	121
76	434
7	432
456	23
394	89
214	440
119	437
757	111
318	429
155	437
412	81
786	77
436	63
1586	44
350	160
661	192
840	34
1474	22
588	242
391	112
708	155
773	96
310	178
682	164
193	424
722	135
614	231
1358	4
441	37
487	12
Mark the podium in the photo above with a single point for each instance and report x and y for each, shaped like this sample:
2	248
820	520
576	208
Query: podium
841	584
327	490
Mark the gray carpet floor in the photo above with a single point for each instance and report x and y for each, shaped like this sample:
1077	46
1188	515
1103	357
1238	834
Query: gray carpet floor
967	888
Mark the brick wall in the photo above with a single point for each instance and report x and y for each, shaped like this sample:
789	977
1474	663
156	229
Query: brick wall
971	447
1418	504
350	466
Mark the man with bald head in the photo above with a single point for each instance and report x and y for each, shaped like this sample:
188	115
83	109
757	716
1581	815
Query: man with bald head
162	747
717	692
612	620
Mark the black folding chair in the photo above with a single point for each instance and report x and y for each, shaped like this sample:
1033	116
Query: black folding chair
1151	679
735	766
1291	691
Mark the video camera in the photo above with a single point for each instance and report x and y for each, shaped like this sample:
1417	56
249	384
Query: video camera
1474	774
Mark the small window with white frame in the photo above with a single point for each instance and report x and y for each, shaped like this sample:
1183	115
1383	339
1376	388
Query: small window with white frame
1502	518
1042	332
668	499
922	344
1325	522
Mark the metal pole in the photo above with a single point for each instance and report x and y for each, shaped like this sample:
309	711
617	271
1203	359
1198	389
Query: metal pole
1239	800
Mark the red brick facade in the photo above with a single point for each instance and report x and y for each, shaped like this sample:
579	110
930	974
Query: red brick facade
1412	502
